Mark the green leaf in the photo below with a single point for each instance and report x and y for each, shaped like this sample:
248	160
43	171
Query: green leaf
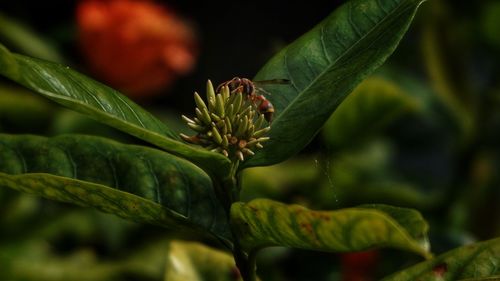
324	66
134	182
472	262
409	219
373	104
263	223
80	93
196	262
8	65
71	122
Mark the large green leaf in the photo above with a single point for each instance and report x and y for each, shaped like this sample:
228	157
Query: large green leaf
263	223
324	66
473	262
196	262
80	93
373	105
133	182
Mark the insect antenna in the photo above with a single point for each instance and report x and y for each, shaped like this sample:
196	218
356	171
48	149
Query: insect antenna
269	82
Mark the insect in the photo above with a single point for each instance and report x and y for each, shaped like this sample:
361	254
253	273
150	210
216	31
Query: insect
248	87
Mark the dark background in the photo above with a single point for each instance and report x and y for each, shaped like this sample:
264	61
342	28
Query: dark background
237	37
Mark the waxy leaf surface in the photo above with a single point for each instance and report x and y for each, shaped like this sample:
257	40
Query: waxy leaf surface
324	66
80	93
479	261
133	182
263	223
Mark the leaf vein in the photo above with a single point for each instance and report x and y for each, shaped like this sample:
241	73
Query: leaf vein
287	67
156	188
130	108
323	44
336	60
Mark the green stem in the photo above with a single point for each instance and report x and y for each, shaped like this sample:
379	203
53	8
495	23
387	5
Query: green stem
245	263
228	191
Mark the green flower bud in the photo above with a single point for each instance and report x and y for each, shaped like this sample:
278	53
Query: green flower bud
231	124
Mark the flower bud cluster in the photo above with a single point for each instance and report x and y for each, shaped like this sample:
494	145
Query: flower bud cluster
228	123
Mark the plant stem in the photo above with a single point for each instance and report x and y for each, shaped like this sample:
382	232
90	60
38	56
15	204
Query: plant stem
245	263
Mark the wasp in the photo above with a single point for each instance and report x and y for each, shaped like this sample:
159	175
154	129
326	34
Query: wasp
248	87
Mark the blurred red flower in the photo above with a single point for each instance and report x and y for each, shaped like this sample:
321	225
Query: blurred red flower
136	46
359	266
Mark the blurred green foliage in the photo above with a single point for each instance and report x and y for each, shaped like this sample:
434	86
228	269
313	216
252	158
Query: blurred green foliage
426	138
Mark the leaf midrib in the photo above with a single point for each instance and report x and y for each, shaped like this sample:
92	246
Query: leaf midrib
175	214
387	218
104	110
336	60
153	134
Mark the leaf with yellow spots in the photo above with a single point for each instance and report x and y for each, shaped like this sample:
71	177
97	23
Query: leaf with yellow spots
74	90
263	223
478	261
134	182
